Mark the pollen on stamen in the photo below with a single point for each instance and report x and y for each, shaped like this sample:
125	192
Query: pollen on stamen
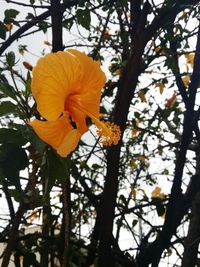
109	134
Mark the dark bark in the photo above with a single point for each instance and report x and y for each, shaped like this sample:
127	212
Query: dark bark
192	241
12	236
57	45
92	248
66	222
8	199
126	89
56	20
44	250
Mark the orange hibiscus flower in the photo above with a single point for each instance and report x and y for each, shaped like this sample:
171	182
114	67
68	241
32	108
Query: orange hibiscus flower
67	89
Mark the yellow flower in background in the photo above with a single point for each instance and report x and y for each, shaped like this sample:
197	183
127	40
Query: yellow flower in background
186	80
156	193
67	89
160	51
134	133
190	58
106	35
142	97
133	191
133	164
161	86
8	26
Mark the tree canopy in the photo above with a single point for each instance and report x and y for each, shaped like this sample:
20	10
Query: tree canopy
131	202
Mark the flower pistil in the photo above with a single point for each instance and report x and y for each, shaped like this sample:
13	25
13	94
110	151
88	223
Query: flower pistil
108	132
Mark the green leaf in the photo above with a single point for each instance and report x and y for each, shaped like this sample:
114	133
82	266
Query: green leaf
134	222
96	166
28	85
43	26
12	136
8	90
11	13
16	194
8	108
81	3
31	136
160	208
13	158
10	58
30	15
2	31
57	168
83	17
123	199
29	259
67	24
103	110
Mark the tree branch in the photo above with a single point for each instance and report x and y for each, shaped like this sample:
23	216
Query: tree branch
192	241
153	253
16	35
56	19
23	29
126	88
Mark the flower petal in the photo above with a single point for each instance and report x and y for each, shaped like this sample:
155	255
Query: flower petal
92	82
79	118
58	134
55	76
69	143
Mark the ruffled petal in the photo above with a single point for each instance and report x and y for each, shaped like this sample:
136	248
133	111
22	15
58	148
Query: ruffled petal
58	134
55	77
92	82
